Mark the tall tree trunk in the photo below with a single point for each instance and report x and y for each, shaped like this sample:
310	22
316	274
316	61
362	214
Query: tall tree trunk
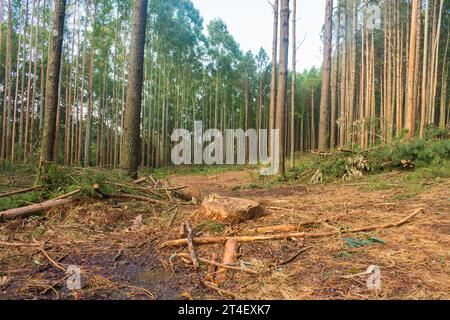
87	144
35	63
410	114
343	114
130	158
352	78
282	83
273	81
27	112
6	86
325	97
335	80
294	80
53	72
424	72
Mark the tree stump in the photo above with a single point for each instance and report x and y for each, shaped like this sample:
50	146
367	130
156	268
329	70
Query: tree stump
229	210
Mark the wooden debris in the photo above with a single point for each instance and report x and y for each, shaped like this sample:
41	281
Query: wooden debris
230	210
368	229
96	188
141	180
295	256
191	247
301	235
17	192
25	212
216	240
273	229
214	264
230	255
219	290
183	231
174	216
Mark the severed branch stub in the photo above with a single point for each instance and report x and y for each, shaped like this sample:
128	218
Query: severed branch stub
191	246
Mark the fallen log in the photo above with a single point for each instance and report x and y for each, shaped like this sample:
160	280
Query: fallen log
368	229
230	255
216	240
96	188
273	229
302	235
26	212
17	192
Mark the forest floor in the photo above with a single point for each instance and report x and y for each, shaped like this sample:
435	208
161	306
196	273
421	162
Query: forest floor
122	258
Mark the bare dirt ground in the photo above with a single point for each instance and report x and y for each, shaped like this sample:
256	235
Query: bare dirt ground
122	262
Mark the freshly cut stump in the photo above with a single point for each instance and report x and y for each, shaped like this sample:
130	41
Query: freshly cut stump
229	210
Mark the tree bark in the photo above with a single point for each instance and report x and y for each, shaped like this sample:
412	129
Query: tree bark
53	71
324	101
294	80
410	114
273	81
130	158
282	83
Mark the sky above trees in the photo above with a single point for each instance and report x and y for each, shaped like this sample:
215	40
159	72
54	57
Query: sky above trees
247	22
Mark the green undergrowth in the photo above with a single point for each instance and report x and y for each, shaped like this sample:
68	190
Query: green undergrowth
59	180
421	160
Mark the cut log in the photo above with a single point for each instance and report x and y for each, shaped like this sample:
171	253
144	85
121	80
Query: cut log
301	235
229	210
273	229
230	255
216	240
26	212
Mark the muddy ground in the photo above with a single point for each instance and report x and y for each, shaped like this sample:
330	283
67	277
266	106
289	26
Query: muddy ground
123	259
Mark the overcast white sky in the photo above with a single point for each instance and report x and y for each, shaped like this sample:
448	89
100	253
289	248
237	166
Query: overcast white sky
250	23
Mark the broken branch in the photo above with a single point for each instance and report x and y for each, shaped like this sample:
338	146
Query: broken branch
191	248
13	193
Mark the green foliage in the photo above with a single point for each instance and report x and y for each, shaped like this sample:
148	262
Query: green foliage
358	243
427	159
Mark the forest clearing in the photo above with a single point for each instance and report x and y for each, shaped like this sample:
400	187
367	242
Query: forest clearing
146	154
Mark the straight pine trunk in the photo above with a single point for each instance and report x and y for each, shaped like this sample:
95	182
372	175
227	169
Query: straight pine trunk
130	159
53	72
324	135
